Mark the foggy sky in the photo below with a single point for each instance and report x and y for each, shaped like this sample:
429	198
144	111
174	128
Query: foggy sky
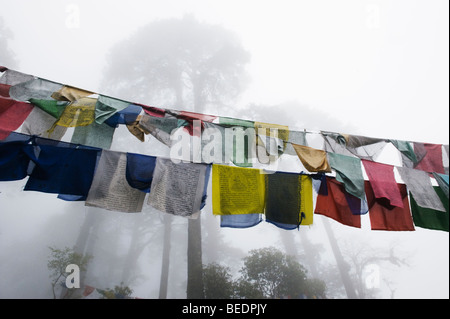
379	66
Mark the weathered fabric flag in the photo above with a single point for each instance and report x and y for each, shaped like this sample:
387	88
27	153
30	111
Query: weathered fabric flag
36	88
61	170
110	189
430	218
335	205
70	94
41	124
14	160
178	188
391	218
107	107
52	107
383	183
432	161
312	159
349	172
12	115
289	202
140	170
78	113
419	184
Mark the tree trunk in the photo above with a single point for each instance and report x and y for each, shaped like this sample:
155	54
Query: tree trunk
165	257
194	260
195	289
342	265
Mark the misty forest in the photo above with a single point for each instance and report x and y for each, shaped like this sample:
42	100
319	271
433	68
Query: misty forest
184	63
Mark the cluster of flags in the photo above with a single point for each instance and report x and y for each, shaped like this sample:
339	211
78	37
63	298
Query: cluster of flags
342	179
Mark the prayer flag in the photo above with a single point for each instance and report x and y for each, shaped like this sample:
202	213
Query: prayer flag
335	205
312	159
178	189
61	170
12	115
393	218
110	189
237	190
289	200
419	184
383	183
431	218
349	172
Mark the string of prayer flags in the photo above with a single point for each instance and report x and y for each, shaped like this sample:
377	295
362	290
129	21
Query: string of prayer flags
61	168
139	172
178	189
289	201
431	218
241	195
110	189
349	172
387	217
419	184
12	115
237	190
382	181
312	159
335	205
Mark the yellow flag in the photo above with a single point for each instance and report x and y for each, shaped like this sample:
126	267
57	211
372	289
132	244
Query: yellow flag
237	190
78	113
306	202
264	129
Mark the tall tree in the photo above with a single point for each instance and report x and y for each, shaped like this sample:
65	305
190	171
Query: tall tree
186	65
179	63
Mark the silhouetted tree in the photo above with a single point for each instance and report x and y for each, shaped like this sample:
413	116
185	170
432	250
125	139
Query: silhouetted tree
182	64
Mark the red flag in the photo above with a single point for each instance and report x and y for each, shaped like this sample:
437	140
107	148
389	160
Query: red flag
392	218
335	205
12	115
